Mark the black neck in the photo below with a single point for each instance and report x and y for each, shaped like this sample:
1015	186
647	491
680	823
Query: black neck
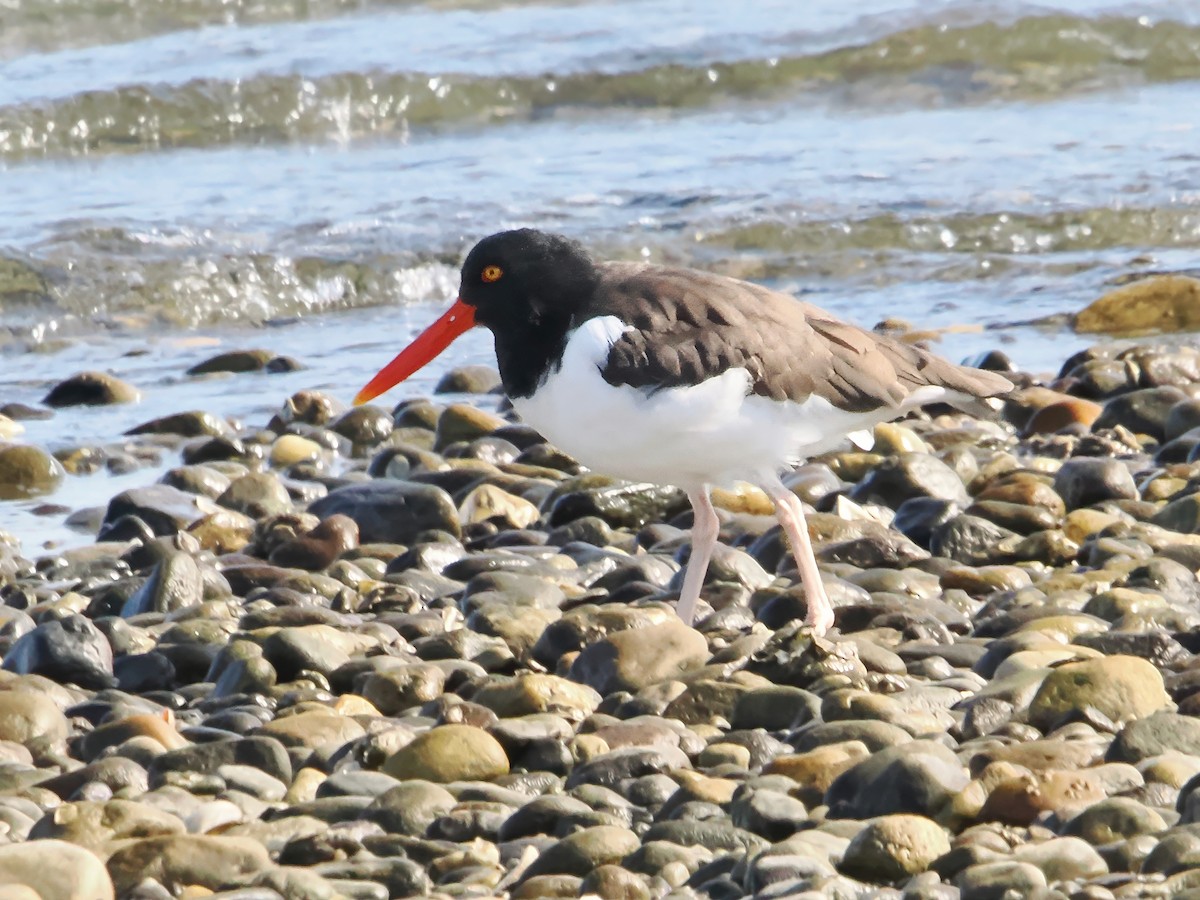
527	354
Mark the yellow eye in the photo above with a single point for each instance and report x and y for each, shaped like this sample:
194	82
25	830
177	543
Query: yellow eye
492	273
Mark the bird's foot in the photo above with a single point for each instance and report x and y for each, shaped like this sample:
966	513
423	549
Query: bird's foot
819	619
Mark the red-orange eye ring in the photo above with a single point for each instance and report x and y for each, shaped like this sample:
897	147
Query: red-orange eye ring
491	273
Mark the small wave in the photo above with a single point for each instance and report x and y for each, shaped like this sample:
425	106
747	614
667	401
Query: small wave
1003	233
123	280
40	300
1033	58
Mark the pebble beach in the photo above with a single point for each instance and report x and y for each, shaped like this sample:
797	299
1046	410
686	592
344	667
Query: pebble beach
256	644
372	653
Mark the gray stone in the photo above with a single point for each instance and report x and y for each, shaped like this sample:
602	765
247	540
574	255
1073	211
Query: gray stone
920	777
390	511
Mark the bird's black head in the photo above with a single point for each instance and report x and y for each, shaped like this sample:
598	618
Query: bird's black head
526	278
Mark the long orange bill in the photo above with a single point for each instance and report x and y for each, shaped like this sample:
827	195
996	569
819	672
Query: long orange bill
428	344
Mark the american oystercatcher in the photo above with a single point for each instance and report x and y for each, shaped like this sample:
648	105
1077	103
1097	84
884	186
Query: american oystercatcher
681	377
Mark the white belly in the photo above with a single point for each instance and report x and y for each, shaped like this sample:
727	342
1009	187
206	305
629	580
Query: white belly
712	433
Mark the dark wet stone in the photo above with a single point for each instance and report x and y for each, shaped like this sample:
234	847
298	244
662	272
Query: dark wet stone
1154	735
775	708
1142	411
400	877
410	807
22	412
462	422
620	504
197	479
388	511
580	853
216	449
908	475
615	766
1114	818
27	471
279	364
770	814
165	510
1157	647
263	753
476	379
70	650
917	519
318	548
143	672
175	583
917	777
1182	515
876	547
187	424
1181	418
968	539
364	424
233	361
257	494
91	389
1016	517
1086	482
717	836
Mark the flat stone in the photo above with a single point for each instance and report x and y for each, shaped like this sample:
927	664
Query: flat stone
314	729
391	512
195	423
531	693
167	510
475	379
637	658
581	852
94	824
994	880
178	861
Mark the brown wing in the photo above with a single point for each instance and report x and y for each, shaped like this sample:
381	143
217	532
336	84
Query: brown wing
688	326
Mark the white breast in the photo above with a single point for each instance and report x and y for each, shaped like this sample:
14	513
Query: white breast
711	433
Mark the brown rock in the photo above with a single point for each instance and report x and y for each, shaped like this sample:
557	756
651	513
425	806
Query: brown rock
1158	303
1020	799
319	547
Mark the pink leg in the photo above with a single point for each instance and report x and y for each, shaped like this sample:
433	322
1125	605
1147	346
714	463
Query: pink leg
790	512
705	528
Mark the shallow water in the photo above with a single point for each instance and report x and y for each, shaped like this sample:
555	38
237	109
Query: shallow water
177	178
